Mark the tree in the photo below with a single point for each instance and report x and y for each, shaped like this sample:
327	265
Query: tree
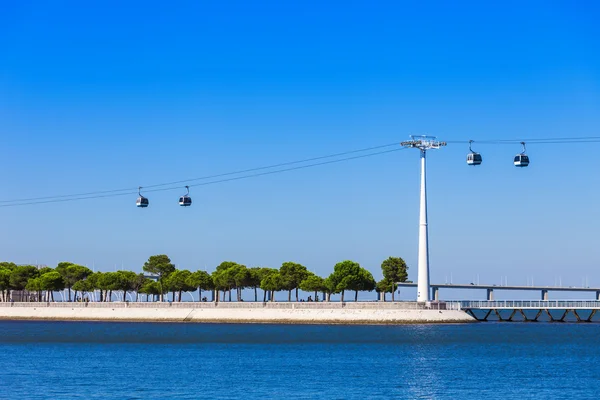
84	286
20	275
126	281
262	274
150	287
344	276
178	282
201	280
254	279
35	285
273	283
384	286
313	283
161	266
394	270
4	283
241	279
8	265
292	274
72	273
51	282
107	282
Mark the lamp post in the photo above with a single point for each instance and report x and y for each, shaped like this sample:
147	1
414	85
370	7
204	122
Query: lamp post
423	143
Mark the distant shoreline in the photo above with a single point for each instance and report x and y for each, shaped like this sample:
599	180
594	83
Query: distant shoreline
359	313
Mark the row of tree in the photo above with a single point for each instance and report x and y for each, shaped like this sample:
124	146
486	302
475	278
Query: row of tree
162	278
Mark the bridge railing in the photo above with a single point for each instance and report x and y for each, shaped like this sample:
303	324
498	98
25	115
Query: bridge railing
536	304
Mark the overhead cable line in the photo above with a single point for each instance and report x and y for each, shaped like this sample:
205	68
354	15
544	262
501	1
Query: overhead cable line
131	192
582	139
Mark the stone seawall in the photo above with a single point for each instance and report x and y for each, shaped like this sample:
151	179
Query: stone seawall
247	312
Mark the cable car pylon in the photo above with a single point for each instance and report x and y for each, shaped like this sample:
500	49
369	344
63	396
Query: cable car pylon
423	143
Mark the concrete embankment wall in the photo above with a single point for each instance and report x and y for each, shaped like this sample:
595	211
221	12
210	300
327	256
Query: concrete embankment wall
323	313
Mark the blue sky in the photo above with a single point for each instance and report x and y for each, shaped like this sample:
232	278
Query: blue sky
101	96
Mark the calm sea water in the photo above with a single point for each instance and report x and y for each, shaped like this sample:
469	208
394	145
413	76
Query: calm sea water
95	360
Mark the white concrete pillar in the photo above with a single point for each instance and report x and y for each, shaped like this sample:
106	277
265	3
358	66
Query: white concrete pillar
423	267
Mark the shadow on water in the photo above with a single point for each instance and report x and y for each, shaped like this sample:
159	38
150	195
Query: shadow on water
14	332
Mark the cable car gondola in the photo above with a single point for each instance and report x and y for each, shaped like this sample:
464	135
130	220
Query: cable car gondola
185	200
473	158
141	200
521	159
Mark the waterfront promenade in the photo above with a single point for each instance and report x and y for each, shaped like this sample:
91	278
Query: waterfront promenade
243	312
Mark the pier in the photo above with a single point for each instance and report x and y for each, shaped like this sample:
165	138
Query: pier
544	290
532	311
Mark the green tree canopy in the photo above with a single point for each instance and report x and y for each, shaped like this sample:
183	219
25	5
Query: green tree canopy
83	286
349	275
272	283
292	274
72	273
34	285
159	265
52	281
178	282
394	270
201	280
8	265
313	283
151	287
5	278
254	278
21	274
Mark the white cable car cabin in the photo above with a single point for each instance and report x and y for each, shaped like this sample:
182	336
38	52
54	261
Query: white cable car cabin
474	158
141	200
522	159
185	200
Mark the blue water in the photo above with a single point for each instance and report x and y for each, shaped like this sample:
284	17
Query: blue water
95	360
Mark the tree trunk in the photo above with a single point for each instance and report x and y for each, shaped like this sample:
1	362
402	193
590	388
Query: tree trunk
296	294
343	292
69	293
328	297
109	297
383	293
272	295
213	294
315	299
52	295
229	294
393	290
356	295
255	294
217	297
290	295
264	296
199	294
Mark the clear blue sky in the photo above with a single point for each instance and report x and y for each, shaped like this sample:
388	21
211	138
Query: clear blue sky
102	95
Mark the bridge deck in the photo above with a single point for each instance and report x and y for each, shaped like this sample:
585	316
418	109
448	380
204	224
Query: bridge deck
531	304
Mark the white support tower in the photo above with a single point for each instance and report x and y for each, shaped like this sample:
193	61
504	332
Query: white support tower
423	143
